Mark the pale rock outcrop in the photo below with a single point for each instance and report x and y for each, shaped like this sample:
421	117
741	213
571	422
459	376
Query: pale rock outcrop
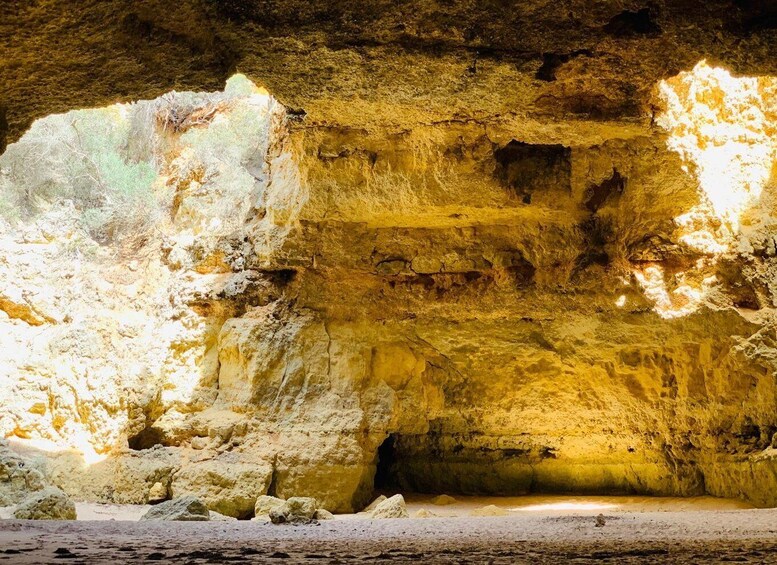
159	492
19	476
264	504
374	504
392	507
49	503
184	509
215	516
295	510
229	483
322	514
424	513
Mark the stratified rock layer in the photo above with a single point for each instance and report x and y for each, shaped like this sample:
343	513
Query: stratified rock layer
472	254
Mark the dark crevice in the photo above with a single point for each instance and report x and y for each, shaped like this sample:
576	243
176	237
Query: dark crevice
551	62
147	438
598	194
527	168
597	234
633	24
386	460
755	16
272	488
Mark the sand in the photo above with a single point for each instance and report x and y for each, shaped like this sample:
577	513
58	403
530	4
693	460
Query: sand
536	530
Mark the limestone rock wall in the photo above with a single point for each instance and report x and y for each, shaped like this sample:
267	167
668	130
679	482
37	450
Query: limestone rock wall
561	286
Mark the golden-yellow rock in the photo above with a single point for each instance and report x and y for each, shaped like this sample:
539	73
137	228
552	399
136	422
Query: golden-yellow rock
204	296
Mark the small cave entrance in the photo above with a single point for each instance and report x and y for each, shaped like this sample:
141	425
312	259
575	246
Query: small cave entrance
387	458
528	170
147	438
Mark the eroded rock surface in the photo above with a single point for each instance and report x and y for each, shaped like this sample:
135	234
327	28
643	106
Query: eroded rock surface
49	503
184	509
471	254
392	507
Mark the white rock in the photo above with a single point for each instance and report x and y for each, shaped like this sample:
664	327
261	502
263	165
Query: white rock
393	507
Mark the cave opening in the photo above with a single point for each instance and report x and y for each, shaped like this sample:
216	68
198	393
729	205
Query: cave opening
387	459
530	170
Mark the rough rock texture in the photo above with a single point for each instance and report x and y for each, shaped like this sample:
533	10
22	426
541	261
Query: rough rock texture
215	516
47	504
295	510
322	514
392	507
374	504
264	504
462	248
184	509
19	476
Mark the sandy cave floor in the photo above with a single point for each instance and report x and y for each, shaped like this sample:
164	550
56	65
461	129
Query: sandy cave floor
537	530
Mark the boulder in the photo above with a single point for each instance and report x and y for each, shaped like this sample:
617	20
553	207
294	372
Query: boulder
490	510
47	504
229	483
322	514
295	510
393	507
158	493
443	500
264	504
184	509
216	517
374	504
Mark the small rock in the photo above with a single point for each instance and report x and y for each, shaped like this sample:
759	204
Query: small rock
200	442
295	510
424	513
322	514
47	504
600	521
216	517
443	500
157	493
264	504
374	504
393	507
184	509
490	510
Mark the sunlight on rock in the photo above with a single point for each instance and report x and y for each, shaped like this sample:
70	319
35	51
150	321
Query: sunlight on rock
120	228
723	128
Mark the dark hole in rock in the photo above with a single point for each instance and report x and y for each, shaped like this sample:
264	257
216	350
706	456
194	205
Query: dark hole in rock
552	61
527	168
630	24
756	15
597	233
599	194
146	439
386	460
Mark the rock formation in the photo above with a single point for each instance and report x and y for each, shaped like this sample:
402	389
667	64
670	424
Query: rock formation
49	503
183	509
392	507
453	248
